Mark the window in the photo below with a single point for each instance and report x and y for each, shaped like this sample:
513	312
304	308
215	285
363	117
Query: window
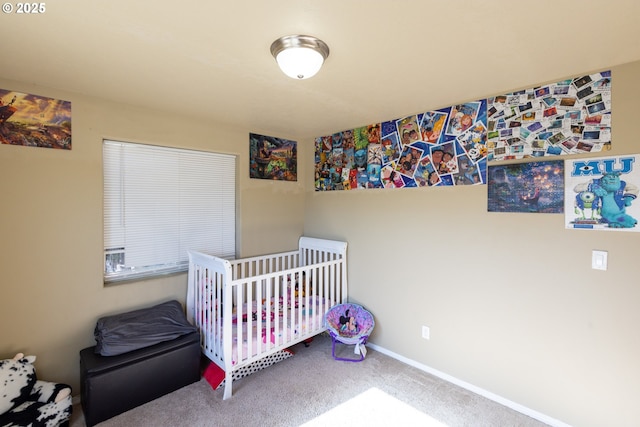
161	202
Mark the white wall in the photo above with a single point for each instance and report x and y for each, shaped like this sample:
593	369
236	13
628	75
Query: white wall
512	302
51	289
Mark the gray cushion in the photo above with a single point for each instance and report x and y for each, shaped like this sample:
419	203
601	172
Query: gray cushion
125	332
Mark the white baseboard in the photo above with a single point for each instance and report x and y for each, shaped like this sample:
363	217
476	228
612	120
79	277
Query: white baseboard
477	390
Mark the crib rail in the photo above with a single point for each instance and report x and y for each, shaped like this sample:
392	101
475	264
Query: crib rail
249	308
285	306
264	264
205	301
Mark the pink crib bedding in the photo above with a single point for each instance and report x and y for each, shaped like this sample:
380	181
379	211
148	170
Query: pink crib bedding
275	331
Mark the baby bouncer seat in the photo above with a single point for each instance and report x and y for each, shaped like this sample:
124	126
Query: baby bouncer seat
349	324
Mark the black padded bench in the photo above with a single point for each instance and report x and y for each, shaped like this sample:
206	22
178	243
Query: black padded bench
111	385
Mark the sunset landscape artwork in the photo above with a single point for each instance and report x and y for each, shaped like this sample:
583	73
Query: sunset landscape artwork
34	121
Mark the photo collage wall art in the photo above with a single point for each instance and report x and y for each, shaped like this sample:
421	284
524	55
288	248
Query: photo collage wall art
452	146
435	148
568	117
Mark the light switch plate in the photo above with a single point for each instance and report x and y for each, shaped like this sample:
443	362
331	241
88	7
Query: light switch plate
599	260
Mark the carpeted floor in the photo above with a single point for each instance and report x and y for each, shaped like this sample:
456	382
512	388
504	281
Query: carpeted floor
312	389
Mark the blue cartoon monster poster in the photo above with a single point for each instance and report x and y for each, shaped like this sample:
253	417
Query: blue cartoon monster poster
600	193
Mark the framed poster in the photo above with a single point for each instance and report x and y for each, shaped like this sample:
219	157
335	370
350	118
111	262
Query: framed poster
34	121
272	158
535	187
600	193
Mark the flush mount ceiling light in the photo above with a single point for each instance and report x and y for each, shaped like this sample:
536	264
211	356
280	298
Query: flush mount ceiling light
299	57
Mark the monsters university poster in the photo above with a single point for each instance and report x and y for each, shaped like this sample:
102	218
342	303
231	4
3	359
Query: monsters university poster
601	193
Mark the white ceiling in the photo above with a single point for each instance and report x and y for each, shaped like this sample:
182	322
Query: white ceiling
211	59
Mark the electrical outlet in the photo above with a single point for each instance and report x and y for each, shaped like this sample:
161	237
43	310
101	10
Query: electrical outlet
425	332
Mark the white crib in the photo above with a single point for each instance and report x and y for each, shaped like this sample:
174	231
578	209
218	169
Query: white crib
248	309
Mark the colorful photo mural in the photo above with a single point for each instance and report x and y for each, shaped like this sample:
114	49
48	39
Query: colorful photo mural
451	146
567	117
34	121
273	158
600	193
444	147
534	187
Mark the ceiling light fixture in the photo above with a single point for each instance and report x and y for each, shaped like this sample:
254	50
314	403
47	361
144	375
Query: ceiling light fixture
299	57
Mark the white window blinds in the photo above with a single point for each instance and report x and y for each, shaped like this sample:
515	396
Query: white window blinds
161	202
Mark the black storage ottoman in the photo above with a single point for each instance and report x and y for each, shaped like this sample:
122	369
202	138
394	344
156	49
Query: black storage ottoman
111	385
